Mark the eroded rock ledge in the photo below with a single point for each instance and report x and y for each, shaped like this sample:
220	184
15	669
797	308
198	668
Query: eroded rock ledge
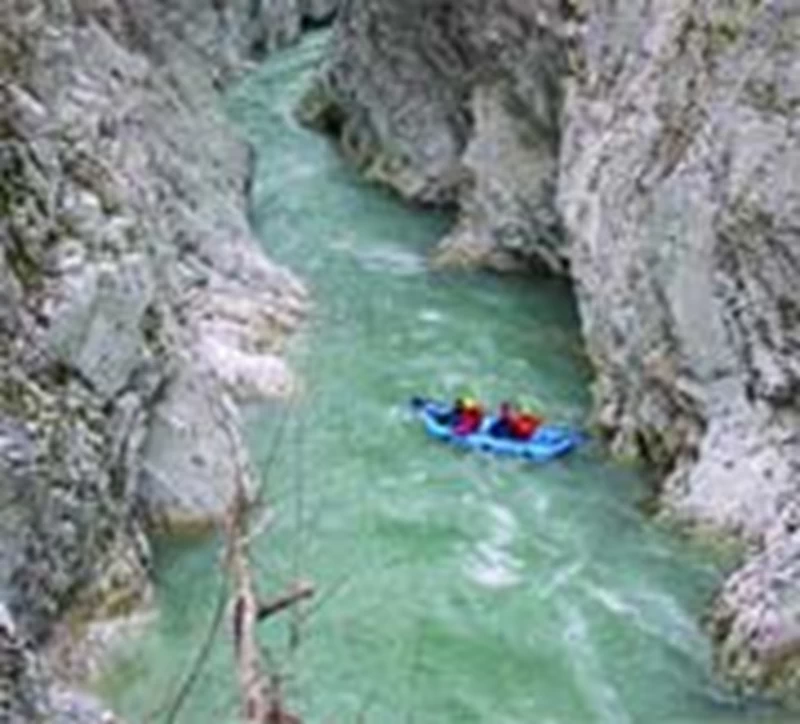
663	139
455	104
135	306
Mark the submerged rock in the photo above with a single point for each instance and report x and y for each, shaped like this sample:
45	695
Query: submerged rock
662	139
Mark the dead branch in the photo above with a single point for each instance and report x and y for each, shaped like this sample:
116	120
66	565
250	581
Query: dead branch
260	693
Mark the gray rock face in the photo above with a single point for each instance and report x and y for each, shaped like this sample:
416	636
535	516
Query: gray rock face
23	698
679	185
454	103
679	190
673	143
318	11
20	702
135	305
755	622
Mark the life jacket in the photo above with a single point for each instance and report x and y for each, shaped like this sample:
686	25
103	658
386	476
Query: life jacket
469	419
524	425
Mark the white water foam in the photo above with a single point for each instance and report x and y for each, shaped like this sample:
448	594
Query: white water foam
391	259
431	316
655	613
490	563
599	693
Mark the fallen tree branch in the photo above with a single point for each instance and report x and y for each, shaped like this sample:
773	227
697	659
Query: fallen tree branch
259	691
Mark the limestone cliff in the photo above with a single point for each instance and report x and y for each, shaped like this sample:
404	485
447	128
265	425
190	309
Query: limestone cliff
680	164
663	139
135	305
455	103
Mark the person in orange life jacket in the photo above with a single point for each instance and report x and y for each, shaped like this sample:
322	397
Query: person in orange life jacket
524	424
514	424
469	415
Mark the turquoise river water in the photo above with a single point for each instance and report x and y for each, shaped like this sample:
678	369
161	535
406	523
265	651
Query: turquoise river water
451	588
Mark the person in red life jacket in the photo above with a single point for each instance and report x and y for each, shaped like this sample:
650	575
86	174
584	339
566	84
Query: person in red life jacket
469	415
514	424
524	424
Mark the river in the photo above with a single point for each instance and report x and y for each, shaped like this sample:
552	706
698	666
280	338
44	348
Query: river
451	587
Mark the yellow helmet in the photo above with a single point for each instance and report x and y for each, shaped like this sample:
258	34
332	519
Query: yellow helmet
469	403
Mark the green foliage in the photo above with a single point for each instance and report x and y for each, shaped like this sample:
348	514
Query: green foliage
726	25
17	398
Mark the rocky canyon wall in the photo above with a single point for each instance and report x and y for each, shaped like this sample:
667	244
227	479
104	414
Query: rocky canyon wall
678	184
650	149
455	104
135	306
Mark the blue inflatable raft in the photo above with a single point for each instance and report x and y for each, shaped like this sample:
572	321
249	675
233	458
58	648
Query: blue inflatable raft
548	442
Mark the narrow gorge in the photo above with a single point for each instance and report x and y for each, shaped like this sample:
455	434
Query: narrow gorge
640	159
650	151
